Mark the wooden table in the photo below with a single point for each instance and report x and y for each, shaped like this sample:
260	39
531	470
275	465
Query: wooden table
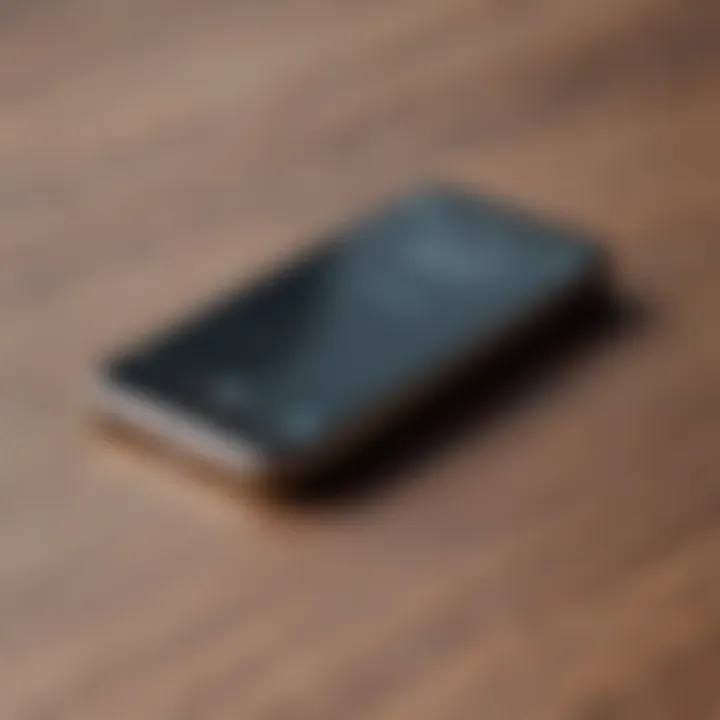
560	561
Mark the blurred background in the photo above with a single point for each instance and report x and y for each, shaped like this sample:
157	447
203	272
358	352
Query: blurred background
558	562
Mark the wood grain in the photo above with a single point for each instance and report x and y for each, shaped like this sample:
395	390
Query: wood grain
560	561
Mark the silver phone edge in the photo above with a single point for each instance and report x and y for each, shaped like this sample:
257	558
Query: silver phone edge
160	421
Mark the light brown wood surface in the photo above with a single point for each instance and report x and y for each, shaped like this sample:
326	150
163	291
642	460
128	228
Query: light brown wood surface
561	560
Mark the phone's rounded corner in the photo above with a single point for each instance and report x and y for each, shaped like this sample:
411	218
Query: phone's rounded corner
129	417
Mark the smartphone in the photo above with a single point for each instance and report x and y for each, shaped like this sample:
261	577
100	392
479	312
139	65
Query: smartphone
277	379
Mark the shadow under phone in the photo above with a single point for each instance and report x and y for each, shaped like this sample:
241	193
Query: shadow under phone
486	391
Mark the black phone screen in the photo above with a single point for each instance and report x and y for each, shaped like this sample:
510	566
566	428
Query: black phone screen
378	309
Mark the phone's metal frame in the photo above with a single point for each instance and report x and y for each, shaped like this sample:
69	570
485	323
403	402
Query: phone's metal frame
126	409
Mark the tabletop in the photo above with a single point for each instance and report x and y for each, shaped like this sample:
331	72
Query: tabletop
556	558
